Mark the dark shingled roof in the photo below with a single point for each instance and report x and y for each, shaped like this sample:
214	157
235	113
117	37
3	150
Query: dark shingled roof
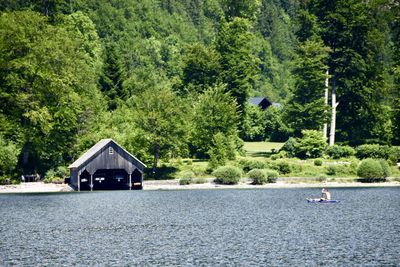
256	100
92	152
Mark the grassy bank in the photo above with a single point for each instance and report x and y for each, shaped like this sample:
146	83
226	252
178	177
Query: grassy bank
258	155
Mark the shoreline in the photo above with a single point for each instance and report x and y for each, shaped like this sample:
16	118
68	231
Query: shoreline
153	185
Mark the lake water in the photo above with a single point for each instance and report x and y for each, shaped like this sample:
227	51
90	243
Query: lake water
268	227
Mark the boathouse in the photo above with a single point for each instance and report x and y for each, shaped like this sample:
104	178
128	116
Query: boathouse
106	166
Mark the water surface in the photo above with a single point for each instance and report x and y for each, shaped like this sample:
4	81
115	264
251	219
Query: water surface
268	227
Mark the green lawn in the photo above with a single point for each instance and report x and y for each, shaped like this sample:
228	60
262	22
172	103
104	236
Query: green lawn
260	149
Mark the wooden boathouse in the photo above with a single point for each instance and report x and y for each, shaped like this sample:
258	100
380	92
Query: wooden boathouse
106	166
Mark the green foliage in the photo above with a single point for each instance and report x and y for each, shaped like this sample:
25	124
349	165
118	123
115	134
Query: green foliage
359	69
306	108
257	176
48	84
385	168
272	176
159	117
8	157
227	175
72	72
222	149
372	151
164	172
276	128
254	124
337	151
57	175
199	181
311	145
239	65
215	112
318	162
290	147
200	68
370	170
283	167
250	164
186	178
331	170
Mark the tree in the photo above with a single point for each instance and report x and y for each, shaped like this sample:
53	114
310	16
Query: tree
159	117
254	124
306	108
215	112
239	64
200	68
48	82
112	78
359	69
8	157
241	8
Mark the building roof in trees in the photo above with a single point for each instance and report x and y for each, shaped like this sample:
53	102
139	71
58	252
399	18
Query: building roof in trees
96	150
260	101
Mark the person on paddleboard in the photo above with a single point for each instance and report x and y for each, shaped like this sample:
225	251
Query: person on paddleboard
326	195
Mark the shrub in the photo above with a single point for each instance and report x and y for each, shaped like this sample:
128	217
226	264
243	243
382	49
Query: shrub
311	145
8	156
272	176
370	170
186	178
250	164
318	162
385	168
290	147
4	180
222	149
227	175
330	170
394	155
284	167
185	181
372	151
257	176
199	181
337	152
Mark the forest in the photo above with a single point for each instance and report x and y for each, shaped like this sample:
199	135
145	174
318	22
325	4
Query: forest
173	78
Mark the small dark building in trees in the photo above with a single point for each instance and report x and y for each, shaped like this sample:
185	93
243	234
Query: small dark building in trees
107	166
260	101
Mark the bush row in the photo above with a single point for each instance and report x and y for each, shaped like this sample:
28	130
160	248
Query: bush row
304	148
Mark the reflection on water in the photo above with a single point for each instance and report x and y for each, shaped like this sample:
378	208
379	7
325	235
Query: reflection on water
201	227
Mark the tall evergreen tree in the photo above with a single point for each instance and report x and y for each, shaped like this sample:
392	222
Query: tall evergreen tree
112	78
238	63
357	38
306	108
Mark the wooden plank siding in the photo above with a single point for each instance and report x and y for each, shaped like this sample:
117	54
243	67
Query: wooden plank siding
106	155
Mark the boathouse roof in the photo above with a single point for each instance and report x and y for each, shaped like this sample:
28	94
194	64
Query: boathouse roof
95	150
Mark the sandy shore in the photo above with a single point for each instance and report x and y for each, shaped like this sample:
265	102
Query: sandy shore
36	187
40	187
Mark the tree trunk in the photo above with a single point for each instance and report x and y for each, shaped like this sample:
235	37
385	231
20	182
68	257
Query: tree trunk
333	118
326	102
155	158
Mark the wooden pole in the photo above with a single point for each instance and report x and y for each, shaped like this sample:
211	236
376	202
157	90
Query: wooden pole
79	182
130	181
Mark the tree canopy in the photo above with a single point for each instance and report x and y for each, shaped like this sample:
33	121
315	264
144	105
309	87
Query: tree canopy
173	78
